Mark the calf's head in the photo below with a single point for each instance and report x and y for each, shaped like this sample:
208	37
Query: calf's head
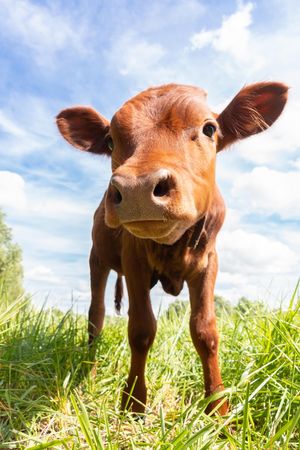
163	145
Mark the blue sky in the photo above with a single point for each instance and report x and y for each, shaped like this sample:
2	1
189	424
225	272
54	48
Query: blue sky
54	54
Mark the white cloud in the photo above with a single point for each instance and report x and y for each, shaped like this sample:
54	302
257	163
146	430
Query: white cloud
37	241
9	126
278	143
296	163
233	279
273	290
180	14
246	49
21	146
28	125
242	252
233	37
233	218
53	230
12	191
151	49
134	56
37	201
138	56
33	114
291	238
266	191
40	28
42	273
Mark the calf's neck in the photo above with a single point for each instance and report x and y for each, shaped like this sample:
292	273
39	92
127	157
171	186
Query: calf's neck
162	211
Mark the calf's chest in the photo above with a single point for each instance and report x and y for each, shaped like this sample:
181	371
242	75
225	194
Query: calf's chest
172	265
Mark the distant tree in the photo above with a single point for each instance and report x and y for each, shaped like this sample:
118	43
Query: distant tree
246	306
177	308
11	270
222	305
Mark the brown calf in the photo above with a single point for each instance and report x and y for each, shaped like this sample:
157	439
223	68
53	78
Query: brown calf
162	211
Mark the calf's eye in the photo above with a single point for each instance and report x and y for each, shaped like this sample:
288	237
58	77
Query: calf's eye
109	142
209	129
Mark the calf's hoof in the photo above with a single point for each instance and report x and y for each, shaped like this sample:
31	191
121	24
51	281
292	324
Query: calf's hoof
131	402
220	406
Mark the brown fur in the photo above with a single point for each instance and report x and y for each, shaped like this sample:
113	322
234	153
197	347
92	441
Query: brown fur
162	211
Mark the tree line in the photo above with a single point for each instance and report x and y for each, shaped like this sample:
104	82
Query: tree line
11	269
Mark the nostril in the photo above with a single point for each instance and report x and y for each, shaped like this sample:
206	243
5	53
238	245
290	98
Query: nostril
117	197
114	195
162	188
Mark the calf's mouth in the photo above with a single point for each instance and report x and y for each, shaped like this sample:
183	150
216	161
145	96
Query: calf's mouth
160	231
149	228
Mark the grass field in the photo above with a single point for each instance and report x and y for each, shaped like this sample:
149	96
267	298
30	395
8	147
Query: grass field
50	399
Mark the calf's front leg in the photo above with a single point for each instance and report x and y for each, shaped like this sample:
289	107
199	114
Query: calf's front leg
203	328
99	273
141	334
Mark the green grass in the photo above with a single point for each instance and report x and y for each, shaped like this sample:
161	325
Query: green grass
49	397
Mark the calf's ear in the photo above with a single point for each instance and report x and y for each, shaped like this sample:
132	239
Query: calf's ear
253	109
84	128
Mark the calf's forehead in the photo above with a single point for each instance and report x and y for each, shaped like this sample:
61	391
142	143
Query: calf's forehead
170	107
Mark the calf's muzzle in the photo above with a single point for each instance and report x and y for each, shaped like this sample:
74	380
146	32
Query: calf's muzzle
146	197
